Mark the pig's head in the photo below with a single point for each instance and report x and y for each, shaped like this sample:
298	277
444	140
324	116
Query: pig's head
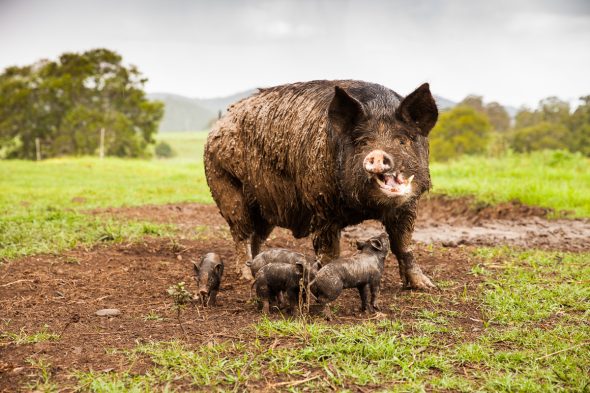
383	143
378	245
307	269
208	274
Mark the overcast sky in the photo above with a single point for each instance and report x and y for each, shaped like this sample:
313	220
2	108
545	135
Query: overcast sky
515	52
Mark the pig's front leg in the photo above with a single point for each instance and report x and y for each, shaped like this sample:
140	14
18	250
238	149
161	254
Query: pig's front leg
400	227
326	244
213	298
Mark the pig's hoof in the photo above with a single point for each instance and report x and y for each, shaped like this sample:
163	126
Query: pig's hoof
415	279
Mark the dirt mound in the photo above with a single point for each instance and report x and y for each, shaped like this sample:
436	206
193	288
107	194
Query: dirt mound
437	208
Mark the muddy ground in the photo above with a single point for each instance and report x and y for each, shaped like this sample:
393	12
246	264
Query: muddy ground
61	293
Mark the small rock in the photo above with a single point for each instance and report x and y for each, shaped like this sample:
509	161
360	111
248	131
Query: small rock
108	312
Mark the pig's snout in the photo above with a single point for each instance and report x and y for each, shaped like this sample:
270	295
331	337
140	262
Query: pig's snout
378	162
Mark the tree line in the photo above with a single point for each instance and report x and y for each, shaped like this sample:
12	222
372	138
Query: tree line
64	104
474	128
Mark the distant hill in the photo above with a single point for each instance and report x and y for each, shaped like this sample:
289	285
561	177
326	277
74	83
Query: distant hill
182	113
191	114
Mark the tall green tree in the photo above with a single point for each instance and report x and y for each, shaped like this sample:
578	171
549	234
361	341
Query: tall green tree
459	131
496	113
65	103
579	139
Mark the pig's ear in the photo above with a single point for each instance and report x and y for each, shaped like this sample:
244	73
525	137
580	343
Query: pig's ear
219	268
376	244
196	268
345	111
299	266
419	108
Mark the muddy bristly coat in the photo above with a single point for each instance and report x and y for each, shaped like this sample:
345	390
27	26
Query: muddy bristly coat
315	157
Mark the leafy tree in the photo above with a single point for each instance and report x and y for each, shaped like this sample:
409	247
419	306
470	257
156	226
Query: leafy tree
498	116
579	139
473	101
459	131
540	136
66	102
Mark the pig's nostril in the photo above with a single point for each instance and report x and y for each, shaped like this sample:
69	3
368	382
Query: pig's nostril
386	162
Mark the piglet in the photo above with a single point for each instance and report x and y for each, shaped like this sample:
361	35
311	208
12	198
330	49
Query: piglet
277	278
277	255
362	271
208	275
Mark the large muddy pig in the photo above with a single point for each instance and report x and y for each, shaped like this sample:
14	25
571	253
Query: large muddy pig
315	157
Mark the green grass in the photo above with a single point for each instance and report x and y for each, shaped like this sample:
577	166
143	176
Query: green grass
554	179
42	204
536	338
186	145
23	337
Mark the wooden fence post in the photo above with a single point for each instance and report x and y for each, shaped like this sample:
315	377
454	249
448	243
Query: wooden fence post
38	148
101	143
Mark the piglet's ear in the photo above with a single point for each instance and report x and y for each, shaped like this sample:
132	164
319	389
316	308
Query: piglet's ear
345	111
376	244
419	109
299	266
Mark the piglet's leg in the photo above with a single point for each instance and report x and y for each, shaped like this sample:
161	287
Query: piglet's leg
375	296
213	298
364	293
400	228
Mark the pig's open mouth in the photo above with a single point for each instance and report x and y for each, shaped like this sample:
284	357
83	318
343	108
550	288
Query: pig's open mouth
394	184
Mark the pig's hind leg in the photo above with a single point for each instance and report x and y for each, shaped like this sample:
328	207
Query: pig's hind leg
228	193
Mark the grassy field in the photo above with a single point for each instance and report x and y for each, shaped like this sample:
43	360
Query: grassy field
41	203
534	334
554	179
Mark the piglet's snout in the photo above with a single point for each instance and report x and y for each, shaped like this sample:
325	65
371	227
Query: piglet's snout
378	162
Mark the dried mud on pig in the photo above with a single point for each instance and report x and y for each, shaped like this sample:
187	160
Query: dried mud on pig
316	157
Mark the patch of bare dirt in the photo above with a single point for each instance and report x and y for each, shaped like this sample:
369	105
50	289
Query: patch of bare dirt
61	293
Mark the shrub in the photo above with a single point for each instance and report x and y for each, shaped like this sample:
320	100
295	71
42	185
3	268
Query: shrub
459	131
164	150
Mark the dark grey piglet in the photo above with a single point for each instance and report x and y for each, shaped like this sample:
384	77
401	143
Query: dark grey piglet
362	271
208	275
277	255
277	278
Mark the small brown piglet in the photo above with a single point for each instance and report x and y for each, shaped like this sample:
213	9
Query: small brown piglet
362	271
208	275
277	278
